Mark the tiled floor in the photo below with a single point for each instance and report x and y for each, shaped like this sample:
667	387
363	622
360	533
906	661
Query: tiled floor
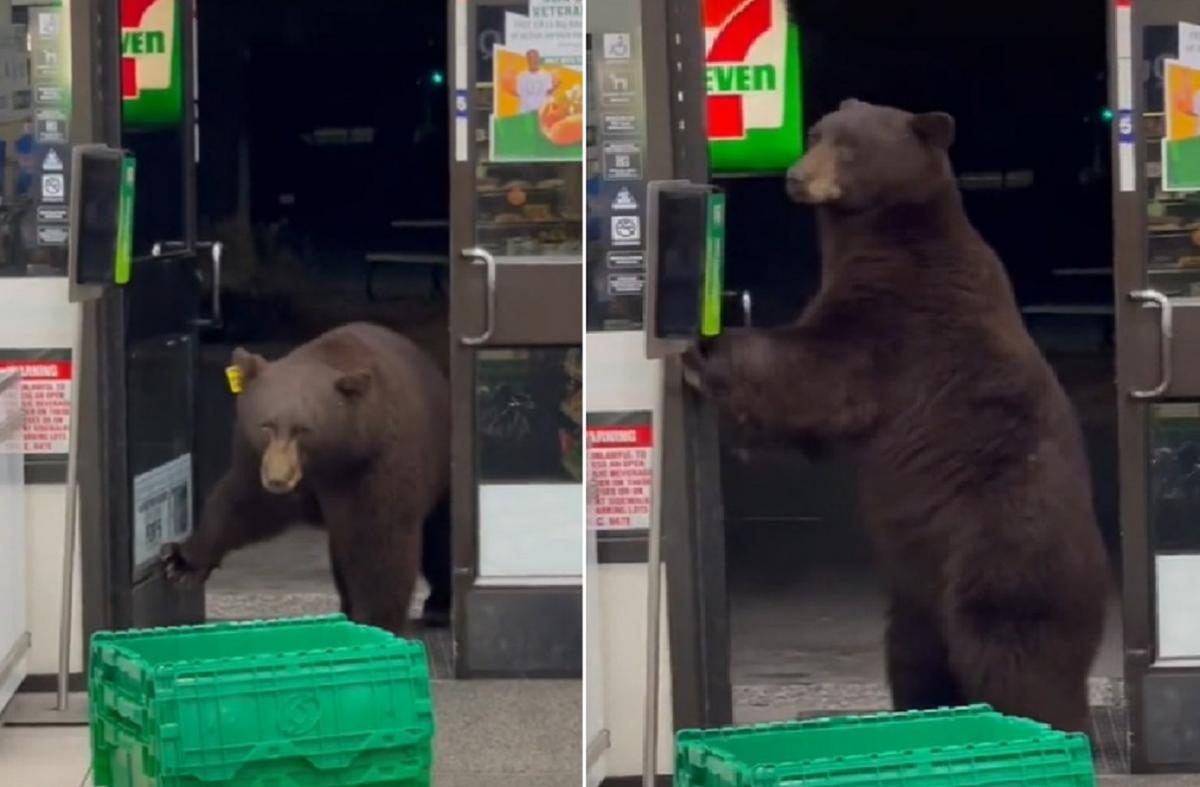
490	734
807	609
44	756
807	634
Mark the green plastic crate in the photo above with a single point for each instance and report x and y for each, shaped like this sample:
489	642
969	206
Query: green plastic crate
309	702
961	747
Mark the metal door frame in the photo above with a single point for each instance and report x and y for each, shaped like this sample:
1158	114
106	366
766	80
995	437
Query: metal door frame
105	483
96	118
489	619
693	516
1147	684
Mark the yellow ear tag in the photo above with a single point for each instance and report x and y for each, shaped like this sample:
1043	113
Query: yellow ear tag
236	380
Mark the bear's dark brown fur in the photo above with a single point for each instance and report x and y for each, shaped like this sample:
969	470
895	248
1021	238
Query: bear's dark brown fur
351	431
973	476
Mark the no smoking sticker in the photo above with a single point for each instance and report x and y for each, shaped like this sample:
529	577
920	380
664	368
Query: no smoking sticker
626	230
54	188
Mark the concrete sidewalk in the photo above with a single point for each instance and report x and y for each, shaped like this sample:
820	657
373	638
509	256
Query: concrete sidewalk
490	734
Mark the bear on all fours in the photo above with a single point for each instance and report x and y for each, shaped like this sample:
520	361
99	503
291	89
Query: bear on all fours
973	477
350	431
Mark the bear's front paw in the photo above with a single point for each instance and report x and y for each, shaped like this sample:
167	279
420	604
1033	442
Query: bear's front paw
693	369
179	570
708	367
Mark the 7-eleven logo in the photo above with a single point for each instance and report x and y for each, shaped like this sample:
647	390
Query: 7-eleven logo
747	58
147	44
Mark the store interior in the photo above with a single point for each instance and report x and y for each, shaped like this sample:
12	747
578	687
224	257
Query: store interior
1027	83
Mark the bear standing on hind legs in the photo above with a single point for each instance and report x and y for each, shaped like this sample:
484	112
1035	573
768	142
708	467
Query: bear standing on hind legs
974	481
351	431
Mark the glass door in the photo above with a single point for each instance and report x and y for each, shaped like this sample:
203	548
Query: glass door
1155	85
516	314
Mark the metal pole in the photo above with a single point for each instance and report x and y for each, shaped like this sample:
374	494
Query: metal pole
69	529
654	590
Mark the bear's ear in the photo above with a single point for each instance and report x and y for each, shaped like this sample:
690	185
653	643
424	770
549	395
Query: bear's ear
249	363
936	128
354	383
850	103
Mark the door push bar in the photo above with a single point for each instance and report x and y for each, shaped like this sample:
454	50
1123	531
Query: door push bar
216	249
479	256
1167	332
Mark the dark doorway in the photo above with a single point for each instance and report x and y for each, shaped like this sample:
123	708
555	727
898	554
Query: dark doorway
323	143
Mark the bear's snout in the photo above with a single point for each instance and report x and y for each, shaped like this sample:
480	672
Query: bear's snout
813	180
281	471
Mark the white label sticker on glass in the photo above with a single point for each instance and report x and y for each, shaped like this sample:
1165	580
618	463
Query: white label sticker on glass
162	507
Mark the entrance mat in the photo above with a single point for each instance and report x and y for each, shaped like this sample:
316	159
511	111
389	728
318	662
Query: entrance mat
1110	742
439	645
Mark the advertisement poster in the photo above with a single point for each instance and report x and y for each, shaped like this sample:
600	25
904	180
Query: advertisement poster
620	470
537	74
1181	145
45	398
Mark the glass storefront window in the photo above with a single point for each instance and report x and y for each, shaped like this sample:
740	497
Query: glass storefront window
1172	216
617	167
528	409
1174	509
1174	505
34	143
527	103
529	413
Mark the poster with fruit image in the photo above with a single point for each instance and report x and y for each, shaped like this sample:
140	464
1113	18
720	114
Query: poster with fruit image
537	112
1181	145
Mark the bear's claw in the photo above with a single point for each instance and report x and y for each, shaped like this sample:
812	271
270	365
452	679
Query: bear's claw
177	569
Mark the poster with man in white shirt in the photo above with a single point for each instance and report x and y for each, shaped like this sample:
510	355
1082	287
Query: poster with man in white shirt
537	110
535	84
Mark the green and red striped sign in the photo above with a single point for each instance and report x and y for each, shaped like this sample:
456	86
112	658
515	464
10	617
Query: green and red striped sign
755	92
151	63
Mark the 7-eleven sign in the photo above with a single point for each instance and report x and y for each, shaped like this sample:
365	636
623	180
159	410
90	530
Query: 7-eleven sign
754	88
151	63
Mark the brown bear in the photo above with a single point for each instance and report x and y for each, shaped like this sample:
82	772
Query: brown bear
352	431
973	476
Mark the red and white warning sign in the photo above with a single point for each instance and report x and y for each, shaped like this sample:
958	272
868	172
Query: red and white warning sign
46	400
620	474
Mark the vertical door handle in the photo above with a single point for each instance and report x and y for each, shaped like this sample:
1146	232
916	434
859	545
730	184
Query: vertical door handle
479	256
216	252
1166	336
746	303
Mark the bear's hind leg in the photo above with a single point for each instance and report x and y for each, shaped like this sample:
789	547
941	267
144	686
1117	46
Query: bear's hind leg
435	565
339	580
1032	668
918	664
382	598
